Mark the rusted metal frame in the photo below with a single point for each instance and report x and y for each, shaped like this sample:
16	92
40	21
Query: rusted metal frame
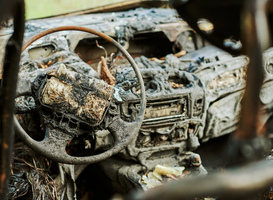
248	143
8	90
255	33
244	182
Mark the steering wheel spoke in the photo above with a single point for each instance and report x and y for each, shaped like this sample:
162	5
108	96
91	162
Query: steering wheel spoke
55	142
122	130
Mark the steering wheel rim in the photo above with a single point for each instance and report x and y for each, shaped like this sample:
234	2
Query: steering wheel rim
123	132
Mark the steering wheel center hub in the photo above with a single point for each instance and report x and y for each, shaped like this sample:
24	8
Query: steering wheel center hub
71	101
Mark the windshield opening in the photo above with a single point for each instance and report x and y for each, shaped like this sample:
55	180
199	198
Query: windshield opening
39	9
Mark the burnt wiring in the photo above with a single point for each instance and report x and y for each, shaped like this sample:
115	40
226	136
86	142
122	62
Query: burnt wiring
101	47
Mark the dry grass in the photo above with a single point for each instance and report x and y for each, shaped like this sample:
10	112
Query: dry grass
44	8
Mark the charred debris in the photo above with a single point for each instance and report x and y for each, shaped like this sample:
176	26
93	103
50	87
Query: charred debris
77	83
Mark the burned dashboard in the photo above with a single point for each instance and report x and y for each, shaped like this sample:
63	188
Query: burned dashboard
193	92
174	110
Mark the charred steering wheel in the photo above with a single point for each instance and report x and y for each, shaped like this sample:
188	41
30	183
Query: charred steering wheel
54	143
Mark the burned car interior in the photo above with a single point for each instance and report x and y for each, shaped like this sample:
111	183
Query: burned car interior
152	100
